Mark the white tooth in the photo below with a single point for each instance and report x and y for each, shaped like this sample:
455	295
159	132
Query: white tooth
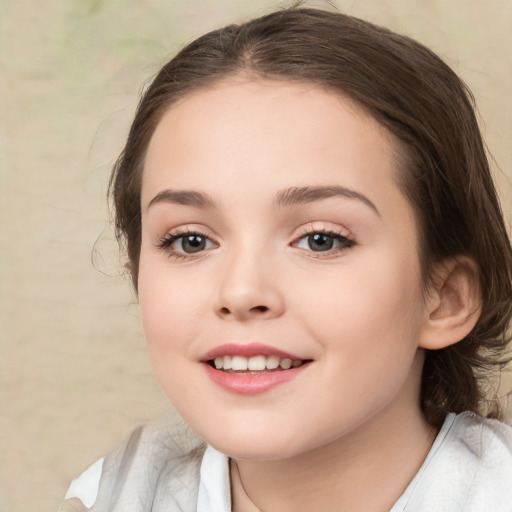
219	363
272	362
227	362
295	363
256	363
286	364
239	363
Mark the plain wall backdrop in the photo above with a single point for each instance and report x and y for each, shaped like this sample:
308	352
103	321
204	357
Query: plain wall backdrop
74	378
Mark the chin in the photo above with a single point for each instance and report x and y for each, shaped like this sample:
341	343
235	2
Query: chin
247	451
251	444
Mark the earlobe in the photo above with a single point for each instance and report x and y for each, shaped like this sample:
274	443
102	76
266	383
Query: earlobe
453	304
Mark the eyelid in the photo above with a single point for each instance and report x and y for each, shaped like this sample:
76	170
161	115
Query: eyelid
322	227
189	228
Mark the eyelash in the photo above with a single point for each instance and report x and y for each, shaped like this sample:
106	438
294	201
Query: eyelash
167	240
346	242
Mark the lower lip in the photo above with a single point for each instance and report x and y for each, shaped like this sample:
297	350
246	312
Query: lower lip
252	384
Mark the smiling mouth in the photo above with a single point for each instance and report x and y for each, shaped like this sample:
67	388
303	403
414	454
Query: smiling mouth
255	364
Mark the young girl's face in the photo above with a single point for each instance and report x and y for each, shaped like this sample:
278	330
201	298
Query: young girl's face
274	232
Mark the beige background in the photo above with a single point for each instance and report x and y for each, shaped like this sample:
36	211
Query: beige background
74	376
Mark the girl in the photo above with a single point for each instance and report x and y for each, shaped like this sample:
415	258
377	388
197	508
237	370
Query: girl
324	276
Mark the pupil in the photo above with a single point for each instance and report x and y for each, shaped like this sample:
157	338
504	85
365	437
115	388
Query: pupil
193	243
319	242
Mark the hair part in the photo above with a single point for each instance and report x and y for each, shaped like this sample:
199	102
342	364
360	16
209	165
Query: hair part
442	169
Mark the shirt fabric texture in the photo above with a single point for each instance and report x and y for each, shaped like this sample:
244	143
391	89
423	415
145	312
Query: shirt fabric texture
165	467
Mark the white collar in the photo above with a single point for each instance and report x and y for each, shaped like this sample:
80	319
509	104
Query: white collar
214	486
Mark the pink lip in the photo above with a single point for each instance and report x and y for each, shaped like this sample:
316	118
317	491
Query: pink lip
252	384
247	350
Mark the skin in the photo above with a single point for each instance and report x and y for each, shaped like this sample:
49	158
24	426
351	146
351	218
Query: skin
323	440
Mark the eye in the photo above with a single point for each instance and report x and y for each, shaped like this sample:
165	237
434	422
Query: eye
182	244
321	241
191	243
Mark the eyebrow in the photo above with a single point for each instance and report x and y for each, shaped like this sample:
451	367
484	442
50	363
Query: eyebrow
287	197
300	195
184	197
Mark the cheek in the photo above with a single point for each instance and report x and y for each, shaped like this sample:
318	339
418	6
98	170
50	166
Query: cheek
167	308
369	328
169	325
375	310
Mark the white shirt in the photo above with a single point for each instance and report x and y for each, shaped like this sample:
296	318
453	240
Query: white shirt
468	469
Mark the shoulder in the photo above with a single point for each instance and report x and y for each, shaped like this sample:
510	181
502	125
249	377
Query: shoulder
484	440
469	468
150	461
478	449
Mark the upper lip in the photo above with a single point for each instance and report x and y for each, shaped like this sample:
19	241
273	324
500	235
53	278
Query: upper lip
247	350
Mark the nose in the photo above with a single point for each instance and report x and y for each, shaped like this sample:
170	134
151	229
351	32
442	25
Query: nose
249	288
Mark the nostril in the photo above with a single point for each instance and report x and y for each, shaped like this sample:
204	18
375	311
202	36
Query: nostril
260	309
255	310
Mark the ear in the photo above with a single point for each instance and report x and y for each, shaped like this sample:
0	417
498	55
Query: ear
453	304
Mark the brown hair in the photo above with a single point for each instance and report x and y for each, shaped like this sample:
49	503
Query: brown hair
444	170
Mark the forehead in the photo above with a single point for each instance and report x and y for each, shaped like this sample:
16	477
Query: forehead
274	105
259	128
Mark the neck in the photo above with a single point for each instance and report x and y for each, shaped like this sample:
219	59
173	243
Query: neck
367	469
